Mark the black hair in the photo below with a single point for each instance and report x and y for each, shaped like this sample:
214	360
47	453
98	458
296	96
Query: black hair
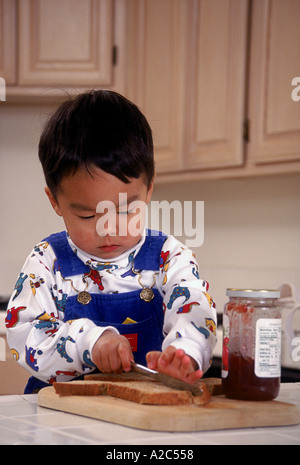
99	129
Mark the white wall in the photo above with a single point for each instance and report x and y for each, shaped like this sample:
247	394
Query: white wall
25	215
251	231
252	226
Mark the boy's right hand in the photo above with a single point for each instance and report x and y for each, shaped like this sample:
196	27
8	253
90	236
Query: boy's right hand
112	353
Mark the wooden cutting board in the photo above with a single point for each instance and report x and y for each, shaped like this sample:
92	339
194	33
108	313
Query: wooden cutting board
219	413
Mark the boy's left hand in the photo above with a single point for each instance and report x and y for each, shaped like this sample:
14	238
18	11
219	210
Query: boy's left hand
174	362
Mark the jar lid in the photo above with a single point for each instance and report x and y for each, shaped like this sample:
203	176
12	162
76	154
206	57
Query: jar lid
253	293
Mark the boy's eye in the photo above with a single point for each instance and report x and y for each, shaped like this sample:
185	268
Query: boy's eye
86	217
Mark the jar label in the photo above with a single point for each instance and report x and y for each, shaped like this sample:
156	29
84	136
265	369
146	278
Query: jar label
268	348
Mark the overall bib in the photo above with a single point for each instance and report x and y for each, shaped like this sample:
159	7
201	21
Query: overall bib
113	309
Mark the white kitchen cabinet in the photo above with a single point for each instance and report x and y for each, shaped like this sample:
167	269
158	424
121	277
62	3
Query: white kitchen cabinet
156	73
201	70
63	42
239	117
274	63
8	41
187	73
60	46
215	83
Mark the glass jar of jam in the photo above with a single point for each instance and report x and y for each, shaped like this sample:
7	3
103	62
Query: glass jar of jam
251	362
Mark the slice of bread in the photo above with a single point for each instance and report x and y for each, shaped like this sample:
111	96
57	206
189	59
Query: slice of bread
80	388
135	390
149	393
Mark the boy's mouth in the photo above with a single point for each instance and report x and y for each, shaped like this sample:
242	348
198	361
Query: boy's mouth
109	248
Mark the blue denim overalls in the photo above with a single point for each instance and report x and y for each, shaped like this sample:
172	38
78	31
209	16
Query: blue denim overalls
113	309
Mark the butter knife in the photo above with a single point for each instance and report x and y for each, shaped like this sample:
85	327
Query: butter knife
166	379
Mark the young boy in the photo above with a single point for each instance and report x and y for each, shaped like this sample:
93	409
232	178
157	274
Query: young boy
93	297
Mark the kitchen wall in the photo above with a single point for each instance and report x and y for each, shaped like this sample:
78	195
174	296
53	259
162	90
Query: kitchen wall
252	226
251	231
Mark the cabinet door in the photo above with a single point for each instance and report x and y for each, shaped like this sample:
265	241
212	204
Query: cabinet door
156	35
275	62
215	83
7	41
65	42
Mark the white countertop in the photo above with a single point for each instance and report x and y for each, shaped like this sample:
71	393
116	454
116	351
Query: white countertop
22	421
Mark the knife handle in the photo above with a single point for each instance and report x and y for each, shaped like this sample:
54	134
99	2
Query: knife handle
143	370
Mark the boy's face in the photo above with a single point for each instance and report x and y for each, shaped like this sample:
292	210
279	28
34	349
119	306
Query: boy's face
98	230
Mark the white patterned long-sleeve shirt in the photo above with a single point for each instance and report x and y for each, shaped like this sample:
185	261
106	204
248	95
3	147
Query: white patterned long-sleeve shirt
52	349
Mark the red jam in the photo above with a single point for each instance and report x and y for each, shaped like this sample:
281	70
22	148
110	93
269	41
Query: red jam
242	383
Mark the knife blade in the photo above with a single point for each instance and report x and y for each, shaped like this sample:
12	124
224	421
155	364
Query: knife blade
166	379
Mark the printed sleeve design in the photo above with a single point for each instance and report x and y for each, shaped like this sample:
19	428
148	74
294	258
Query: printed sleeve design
40	340
190	312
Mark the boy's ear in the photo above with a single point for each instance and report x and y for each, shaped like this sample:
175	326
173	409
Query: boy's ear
150	191
53	201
